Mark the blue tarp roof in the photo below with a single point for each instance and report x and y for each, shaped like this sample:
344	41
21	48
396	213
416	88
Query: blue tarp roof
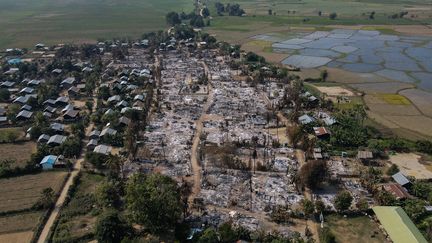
49	159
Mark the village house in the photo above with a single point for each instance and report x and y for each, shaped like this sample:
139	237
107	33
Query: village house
49	161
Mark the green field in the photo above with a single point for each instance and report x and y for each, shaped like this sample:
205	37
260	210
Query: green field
24	23
347	8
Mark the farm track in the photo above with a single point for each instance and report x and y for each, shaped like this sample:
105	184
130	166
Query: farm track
196	166
61	199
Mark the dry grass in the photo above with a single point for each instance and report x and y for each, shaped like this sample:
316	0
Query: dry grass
19	152
354	230
19	222
394	99
18	237
4	132
22	192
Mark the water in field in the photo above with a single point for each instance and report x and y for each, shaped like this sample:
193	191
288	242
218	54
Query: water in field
402	58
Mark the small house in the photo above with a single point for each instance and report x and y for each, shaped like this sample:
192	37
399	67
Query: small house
24	115
71	115
68	82
56	140
102	149
91	145
305	119
48	162
43	138
321	132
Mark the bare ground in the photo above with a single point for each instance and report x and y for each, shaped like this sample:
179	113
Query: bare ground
19	237
23	191
409	164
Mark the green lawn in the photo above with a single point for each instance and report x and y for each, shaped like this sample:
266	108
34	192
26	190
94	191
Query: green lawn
24	23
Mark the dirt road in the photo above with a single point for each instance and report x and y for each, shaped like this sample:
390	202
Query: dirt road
61	199
196	166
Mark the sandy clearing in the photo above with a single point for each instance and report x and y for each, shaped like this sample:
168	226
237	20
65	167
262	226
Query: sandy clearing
19	237
410	166
335	91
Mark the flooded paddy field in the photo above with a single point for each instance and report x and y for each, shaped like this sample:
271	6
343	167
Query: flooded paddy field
406	59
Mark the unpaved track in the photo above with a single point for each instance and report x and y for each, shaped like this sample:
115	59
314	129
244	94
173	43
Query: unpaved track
61	199
196	166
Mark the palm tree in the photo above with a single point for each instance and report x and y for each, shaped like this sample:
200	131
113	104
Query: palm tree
114	163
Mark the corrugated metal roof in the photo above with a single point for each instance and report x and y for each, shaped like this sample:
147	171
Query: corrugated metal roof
398	225
400	179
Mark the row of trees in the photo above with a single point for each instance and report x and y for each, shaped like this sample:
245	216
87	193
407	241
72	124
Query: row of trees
230	9
195	20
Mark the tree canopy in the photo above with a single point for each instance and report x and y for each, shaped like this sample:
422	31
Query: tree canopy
343	201
153	201
172	18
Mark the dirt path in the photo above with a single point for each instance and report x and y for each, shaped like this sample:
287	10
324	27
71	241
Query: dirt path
61	199
196	166
279	114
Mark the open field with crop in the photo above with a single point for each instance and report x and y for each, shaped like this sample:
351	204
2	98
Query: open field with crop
394	99
18	152
344	8
19	222
356	229
22	192
25	23
76	219
17	237
6	134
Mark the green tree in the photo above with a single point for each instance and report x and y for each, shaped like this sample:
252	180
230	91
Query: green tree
319	205
46	199
209	236
308	207
110	228
205	12
421	189
172	18
312	173
227	233
4	95
385	198
153	201
333	16
5	166
362	204
323	75
392	170
415	208
108	195
342	201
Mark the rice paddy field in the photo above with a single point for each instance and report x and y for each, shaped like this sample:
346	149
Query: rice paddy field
401	58
392	69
